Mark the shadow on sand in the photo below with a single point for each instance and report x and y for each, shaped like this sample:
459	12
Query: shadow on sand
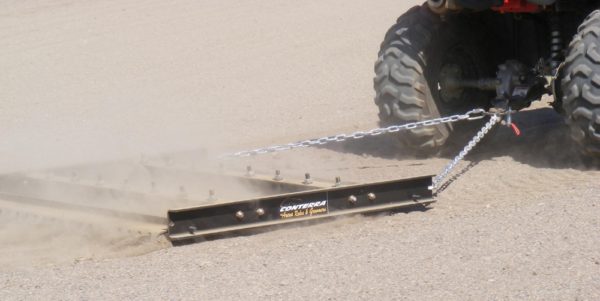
544	142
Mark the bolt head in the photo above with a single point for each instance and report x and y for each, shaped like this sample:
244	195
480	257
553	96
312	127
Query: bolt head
239	214
260	212
371	196
307	179
352	199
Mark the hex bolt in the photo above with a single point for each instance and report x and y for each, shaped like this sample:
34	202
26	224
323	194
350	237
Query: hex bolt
192	229
211	195
249	171
260	212
239	215
338	182
182	193
371	196
352	199
278	176
307	179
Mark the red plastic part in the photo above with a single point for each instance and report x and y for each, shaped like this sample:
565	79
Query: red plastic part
515	129
517	6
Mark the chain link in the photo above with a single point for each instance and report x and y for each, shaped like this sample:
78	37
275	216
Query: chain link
478	137
437	180
470	115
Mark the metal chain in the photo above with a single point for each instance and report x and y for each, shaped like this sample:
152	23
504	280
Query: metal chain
478	137
470	115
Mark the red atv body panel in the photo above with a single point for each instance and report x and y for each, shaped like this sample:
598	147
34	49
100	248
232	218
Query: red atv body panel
517	6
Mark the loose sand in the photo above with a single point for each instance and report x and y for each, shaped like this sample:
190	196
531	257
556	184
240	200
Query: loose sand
84	82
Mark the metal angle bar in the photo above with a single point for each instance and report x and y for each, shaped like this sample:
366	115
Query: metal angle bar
204	221
80	217
78	194
45	203
255	181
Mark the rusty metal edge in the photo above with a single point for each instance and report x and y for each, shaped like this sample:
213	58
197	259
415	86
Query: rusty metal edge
404	204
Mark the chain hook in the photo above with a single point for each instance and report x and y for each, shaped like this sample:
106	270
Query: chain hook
476	114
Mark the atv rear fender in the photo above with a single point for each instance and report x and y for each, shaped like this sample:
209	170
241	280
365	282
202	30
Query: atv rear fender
504	6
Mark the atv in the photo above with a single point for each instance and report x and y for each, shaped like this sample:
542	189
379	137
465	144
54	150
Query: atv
448	56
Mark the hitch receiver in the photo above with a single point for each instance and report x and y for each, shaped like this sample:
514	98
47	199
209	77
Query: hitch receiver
216	220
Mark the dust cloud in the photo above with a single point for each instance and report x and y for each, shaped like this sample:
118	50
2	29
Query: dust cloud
102	210
87	104
89	90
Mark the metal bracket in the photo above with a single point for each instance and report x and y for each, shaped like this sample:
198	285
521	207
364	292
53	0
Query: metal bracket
215	220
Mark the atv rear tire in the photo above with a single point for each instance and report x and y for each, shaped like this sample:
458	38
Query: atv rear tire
580	85
410	61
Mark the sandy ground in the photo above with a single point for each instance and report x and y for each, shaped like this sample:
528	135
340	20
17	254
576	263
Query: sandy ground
94	81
